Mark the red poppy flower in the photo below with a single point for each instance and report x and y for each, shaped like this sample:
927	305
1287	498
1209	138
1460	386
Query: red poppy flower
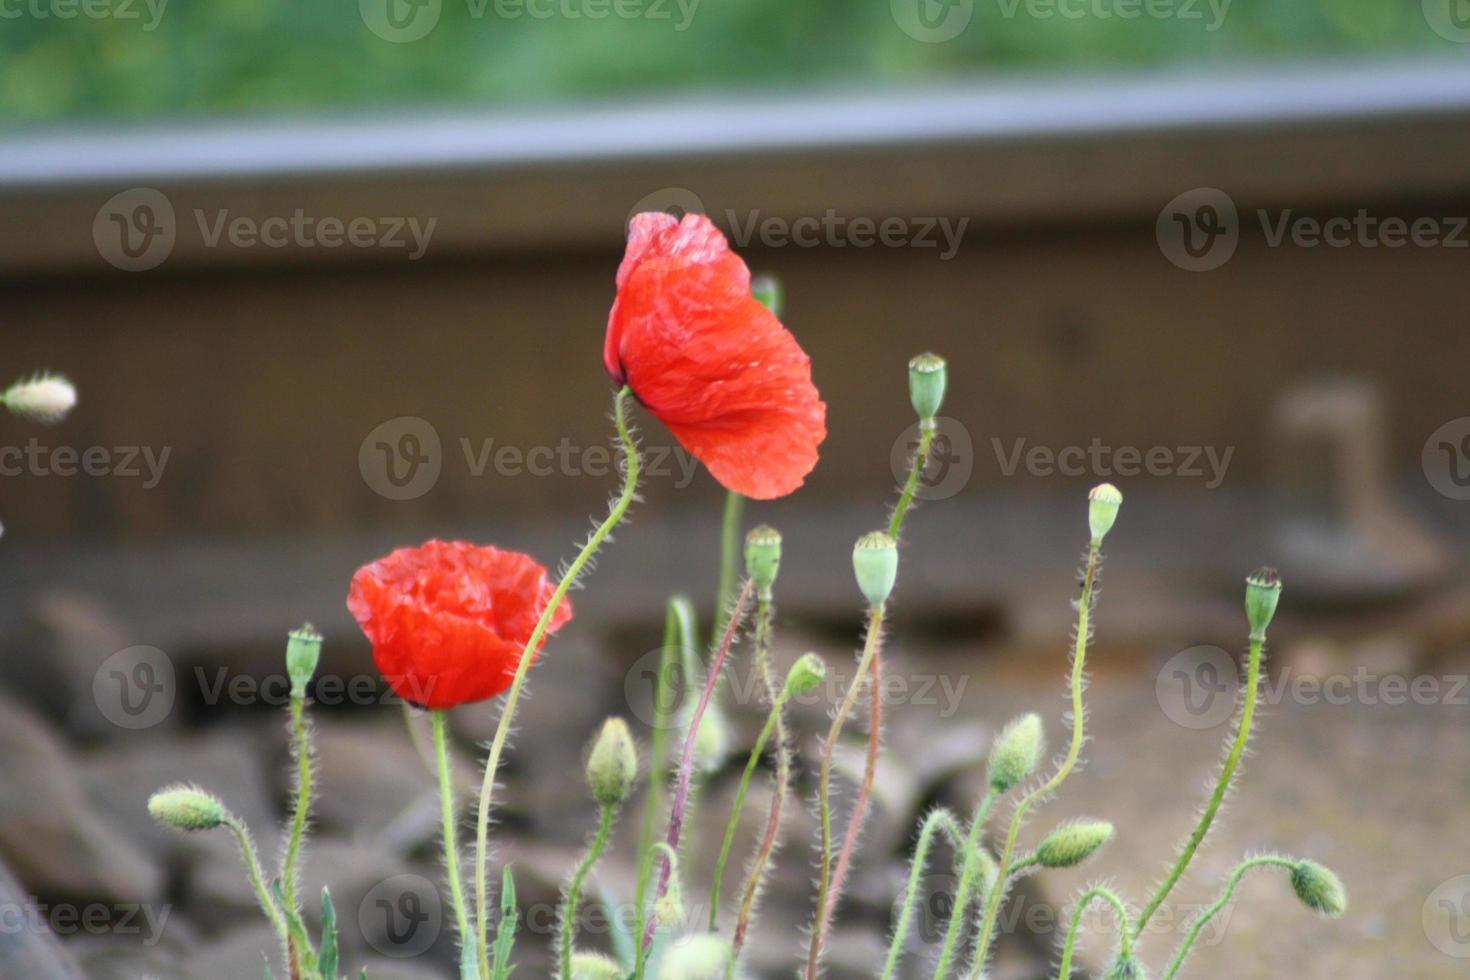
709	360
448	620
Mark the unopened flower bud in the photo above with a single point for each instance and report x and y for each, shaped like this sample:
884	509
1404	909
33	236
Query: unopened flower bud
1016	752
805	675
595	966
303	651
767	289
613	763
763	558
1262	593
45	398
699	957
187	808
1103	502
1073	843
875	563
1127	968
928	376
1318	888
712	742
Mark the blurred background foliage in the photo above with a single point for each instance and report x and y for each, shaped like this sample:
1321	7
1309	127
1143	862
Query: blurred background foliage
233	57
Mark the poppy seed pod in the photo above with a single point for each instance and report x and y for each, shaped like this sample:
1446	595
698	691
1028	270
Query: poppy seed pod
613	763
699	957
1015	753
1318	888
303	652
595	966
875	563
1262	593
805	675
1103	502
45	398
928	377
763	558
1073	843
187	808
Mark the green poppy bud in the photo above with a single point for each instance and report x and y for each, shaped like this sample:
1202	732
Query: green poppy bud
699	957
875	563
1015	753
595	966
303	651
805	675
1073	843
763	558
1103	502
1318	888
1127	968
187	808
928	376
613	763
767	289
1262	593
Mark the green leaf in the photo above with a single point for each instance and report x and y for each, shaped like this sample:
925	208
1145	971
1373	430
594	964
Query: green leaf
505	933
469	960
327	964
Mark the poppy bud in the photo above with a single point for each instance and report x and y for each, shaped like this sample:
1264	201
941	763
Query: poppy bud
1262	593
1015	753
804	675
45	398
763	558
669	910
1073	843
712	743
187	808
1318	888
767	289
303	651
928	376
1103	502
1127	968
595	966
875	563
613	763
700	957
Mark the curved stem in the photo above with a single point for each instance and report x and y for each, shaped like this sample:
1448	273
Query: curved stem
1209	913
824	787
1074	751
301	749
1064	972
957	917
450	815
574	890
502	730
256	874
938	820
1222	785
911	485
730	556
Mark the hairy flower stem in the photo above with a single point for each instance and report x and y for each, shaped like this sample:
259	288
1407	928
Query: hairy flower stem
1222	785
301	749
679	630
911	485
615	516
686	765
730	556
775	723
937	821
574	890
1204	917
253	870
450	814
827	895
1069	762
958	917
1064	971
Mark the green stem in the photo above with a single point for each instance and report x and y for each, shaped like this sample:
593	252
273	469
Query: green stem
730	557
1074	751
679	630
574	890
1198	925
1222	785
301	749
253	869
957	918
502	729
450	813
938	820
1064	972
911	485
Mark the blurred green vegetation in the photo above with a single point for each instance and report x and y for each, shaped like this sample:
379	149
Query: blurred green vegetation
157	58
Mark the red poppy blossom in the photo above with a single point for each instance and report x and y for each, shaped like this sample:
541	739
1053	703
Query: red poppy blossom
709	360
448	620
